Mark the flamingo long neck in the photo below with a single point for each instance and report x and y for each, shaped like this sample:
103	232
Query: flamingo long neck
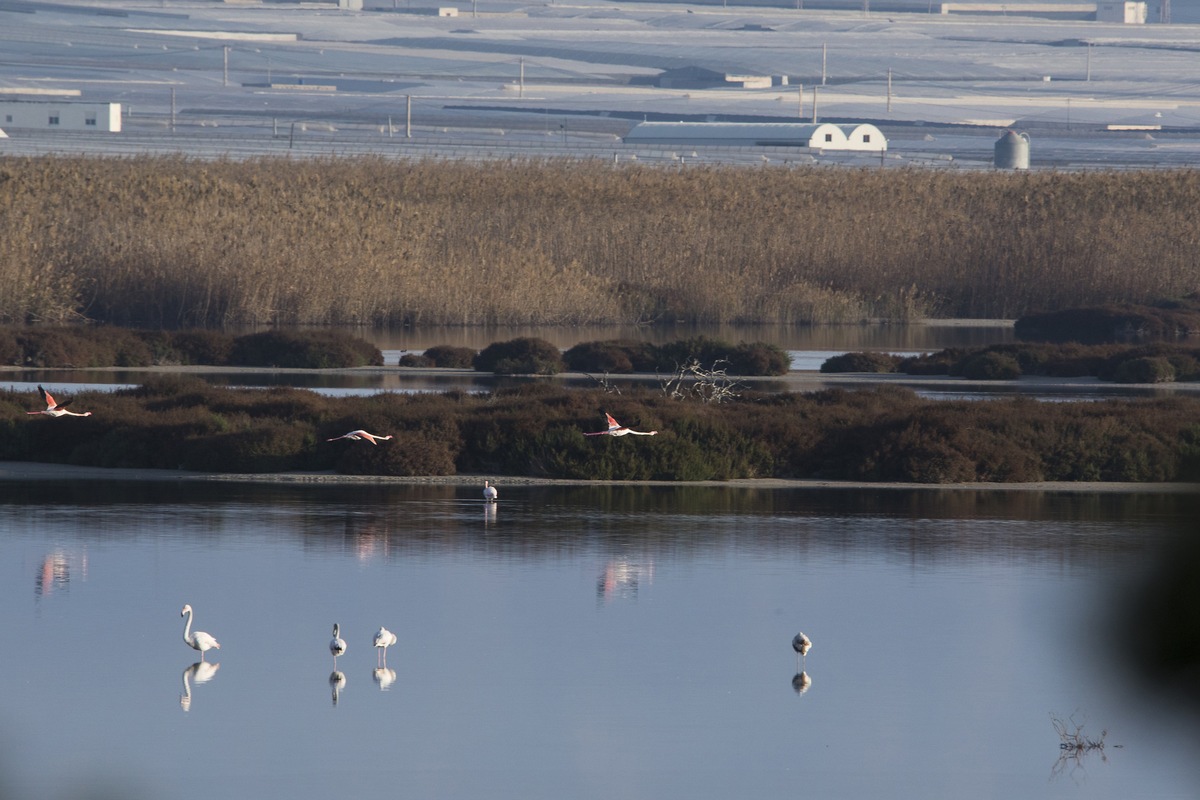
187	628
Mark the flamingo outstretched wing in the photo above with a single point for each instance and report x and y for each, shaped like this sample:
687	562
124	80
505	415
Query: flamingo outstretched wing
613	426
373	438
617	429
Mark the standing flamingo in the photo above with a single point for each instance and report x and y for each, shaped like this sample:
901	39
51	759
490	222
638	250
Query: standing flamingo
383	640
199	640
56	409
801	644
489	492
357	435
337	645
617	429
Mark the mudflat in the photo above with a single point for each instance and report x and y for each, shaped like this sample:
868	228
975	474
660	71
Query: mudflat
36	471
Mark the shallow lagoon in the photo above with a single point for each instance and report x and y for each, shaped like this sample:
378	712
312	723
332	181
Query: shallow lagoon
575	642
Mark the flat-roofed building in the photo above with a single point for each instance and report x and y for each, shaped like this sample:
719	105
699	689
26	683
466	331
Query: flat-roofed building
60	115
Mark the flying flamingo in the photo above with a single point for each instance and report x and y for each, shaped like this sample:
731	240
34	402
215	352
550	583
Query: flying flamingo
337	645
617	429
383	640
357	435
801	644
56	409
489	492
199	640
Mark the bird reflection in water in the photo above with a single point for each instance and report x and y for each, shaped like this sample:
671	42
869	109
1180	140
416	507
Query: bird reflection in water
200	672
55	573
489	514
384	677
337	682
801	682
622	578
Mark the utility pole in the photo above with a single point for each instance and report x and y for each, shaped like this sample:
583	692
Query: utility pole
814	105
521	82
172	110
823	54
1089	61
408	117
889	94
800	110
226	72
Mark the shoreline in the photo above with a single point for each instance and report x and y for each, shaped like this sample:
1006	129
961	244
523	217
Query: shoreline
31	471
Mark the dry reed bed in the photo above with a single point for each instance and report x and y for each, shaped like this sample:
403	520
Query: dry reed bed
174	242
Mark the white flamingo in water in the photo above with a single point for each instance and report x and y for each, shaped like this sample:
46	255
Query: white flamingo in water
373	438
489	492
56	409
383	640
617	429
199	640
801	644
337	645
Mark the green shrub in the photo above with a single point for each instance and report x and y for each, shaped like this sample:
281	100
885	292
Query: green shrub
940	363
1144	369
202	347
415	360
303	350
449	357
759	358
990	366
862	362
1113	323
522	356
601	357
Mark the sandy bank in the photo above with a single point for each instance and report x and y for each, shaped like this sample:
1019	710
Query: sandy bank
31	471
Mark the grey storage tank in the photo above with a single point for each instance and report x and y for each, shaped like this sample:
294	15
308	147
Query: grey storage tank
1012	151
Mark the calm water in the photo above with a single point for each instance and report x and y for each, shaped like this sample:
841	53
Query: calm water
578	642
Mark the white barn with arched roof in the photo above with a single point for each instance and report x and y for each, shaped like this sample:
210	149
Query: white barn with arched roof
816	136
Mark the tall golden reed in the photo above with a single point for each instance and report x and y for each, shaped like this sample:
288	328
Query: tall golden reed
173	242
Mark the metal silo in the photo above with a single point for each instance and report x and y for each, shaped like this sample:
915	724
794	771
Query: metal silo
1012	151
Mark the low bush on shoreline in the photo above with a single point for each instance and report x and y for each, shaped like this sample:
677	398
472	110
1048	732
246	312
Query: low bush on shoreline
883	434
1164	321
103	346
1159	362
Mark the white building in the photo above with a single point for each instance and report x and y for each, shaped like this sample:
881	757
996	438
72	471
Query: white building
816	136
1129	13
60	115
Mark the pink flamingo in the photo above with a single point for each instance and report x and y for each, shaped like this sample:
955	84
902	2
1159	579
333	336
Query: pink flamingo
56	409
617	429
357	435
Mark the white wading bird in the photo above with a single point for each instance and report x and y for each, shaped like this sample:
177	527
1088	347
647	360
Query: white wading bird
55	409
337	645
489	492
383	640
617	429
199	640
357	435
801	644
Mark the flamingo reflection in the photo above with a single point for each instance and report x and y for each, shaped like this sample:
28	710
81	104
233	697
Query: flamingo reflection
55	573
337	682
621	577
200	672
801	682
384	677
